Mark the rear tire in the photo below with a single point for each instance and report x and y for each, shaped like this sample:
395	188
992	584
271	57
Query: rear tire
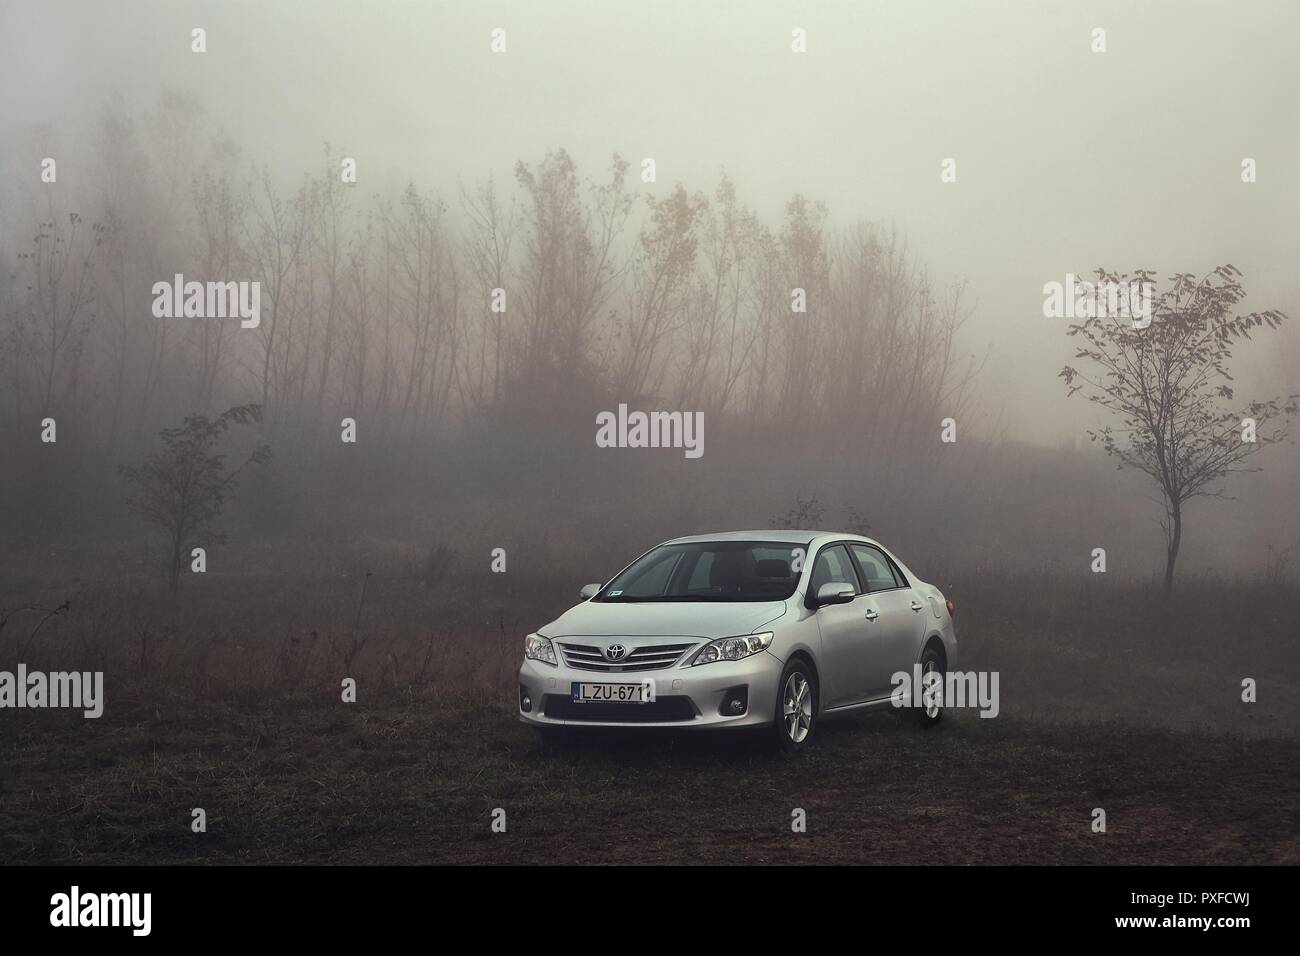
926	717
796	706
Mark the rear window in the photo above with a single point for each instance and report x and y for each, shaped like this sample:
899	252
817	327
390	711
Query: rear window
877	569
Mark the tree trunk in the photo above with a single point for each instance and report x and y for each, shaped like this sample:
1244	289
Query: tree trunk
174	572
1175	541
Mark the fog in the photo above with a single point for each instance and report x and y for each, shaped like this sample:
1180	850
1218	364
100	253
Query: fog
1066	159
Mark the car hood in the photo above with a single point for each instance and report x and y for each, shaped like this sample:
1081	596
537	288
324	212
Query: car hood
669	619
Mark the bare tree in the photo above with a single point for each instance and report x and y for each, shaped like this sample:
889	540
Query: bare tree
329	247
59	308
220	213
487	249
807	267
424	289
276	242
569	272
1167	382
716	311
666	265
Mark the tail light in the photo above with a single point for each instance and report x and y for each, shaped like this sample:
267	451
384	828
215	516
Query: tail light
952	611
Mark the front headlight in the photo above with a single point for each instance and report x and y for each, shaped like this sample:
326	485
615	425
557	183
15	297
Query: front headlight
732	648
538	648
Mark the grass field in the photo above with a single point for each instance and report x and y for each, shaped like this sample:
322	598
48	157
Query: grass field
229	700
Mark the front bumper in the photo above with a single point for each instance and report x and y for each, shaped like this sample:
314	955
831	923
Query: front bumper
686	697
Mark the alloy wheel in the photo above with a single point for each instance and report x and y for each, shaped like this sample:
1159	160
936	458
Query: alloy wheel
797	707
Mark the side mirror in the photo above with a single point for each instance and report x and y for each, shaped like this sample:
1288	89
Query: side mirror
835	594
588	592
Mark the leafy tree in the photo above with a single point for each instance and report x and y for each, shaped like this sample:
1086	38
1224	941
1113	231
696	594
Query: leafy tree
183	487
1169	386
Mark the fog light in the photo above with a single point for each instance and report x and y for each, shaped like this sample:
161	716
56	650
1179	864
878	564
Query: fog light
735	701
525	702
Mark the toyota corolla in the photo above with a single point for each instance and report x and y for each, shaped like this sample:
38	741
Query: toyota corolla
753	629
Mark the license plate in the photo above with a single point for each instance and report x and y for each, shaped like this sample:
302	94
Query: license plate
612	693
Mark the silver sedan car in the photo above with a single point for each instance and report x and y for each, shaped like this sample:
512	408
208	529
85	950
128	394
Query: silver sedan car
747	629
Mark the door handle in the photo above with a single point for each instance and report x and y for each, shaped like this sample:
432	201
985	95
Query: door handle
871	615
917	607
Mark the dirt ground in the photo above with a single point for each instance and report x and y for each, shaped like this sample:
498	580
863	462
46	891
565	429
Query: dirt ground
302	782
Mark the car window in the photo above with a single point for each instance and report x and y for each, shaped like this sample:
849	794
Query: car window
651	579
833	567
877	569
710	571
699	579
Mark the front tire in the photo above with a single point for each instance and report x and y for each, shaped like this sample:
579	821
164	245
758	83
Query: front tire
796	706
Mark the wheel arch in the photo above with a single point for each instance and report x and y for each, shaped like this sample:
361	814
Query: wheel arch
935	640
806	656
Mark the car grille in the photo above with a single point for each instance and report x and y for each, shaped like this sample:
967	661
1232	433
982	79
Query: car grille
589	657
662	710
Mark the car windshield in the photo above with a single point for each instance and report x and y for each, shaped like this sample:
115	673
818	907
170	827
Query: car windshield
710	571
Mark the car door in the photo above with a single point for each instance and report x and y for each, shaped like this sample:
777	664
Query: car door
895	635
845	659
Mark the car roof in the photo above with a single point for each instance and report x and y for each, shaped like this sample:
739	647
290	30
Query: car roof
781	536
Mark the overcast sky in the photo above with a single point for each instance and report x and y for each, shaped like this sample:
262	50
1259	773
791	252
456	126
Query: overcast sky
1066	159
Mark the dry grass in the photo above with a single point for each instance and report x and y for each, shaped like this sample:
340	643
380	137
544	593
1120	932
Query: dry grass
229	701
